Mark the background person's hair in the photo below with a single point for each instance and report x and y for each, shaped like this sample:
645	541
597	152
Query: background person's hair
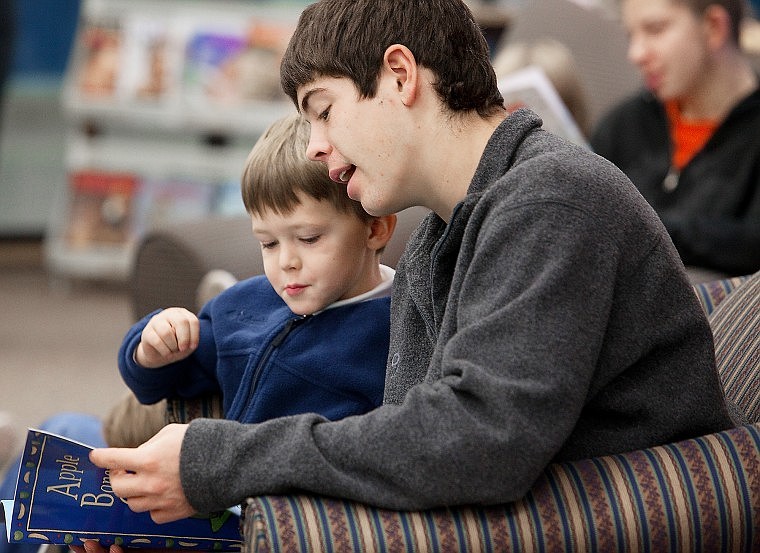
558	62
348	38
277	170
735	8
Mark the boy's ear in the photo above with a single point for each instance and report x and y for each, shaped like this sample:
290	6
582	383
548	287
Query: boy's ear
717	25
400	61
381	231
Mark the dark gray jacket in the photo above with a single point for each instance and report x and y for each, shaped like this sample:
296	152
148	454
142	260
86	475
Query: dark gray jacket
551	319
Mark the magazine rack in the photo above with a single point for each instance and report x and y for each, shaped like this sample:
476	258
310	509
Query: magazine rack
164	100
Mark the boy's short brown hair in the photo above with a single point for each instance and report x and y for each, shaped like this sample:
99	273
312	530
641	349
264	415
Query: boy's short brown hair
277	171
734	8
348	38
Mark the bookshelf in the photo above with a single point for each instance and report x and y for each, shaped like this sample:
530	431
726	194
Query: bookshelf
163	100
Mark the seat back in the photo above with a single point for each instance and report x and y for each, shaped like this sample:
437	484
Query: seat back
735	323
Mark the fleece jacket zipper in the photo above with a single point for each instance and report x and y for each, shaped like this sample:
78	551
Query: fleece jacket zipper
273	345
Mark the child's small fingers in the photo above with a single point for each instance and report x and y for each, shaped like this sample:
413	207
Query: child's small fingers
186	332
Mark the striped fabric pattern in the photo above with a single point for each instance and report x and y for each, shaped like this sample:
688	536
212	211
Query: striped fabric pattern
736	331
700	495
179	410
710	294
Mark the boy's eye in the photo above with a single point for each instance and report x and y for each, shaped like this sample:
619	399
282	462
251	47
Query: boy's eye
268	245
310	239
324	114
655	27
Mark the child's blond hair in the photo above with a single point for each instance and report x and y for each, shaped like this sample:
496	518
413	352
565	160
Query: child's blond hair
277	171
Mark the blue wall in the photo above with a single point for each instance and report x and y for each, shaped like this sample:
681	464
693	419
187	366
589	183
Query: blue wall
44	31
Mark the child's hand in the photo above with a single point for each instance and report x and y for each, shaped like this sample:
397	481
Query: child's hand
170	336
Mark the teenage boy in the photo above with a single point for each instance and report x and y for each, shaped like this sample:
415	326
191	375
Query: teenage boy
539	314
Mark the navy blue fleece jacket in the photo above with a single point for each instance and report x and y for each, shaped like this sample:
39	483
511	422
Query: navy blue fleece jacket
269	362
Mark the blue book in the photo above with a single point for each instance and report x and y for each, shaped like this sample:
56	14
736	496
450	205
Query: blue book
63	499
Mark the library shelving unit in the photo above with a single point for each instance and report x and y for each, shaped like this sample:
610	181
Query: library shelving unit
163	101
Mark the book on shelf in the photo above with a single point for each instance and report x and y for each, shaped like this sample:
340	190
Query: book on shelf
62	498
150	68
226	200
101	208
100	54
168	199
231	66
530	87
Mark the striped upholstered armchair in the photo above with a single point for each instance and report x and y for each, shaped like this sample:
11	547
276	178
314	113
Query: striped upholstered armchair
699	495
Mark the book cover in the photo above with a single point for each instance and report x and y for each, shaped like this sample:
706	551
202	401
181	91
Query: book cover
531	88
226	199
232	66
210	61
99	48
63	499
101	208
176	199
148	69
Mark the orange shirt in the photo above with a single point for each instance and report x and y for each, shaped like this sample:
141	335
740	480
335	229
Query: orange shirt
687	136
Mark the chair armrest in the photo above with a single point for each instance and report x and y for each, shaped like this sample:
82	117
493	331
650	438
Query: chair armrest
711	293
699	495
183	410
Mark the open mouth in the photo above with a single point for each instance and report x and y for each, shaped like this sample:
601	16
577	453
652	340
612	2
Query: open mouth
343	175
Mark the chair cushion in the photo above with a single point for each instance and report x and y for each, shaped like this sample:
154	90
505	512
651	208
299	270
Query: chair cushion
711	293
699	495
736	330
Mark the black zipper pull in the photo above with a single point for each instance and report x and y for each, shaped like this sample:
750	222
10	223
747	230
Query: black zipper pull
278	339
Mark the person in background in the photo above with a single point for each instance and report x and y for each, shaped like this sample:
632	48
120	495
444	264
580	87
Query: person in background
689	140
558	63
311	335
540	313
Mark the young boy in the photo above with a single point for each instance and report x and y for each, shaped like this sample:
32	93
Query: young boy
684	140
539	314
311	335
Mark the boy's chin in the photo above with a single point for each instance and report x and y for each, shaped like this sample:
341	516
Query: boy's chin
303	310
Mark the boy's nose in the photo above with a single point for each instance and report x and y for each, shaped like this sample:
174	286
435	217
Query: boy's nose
288	259
636	51
318	148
